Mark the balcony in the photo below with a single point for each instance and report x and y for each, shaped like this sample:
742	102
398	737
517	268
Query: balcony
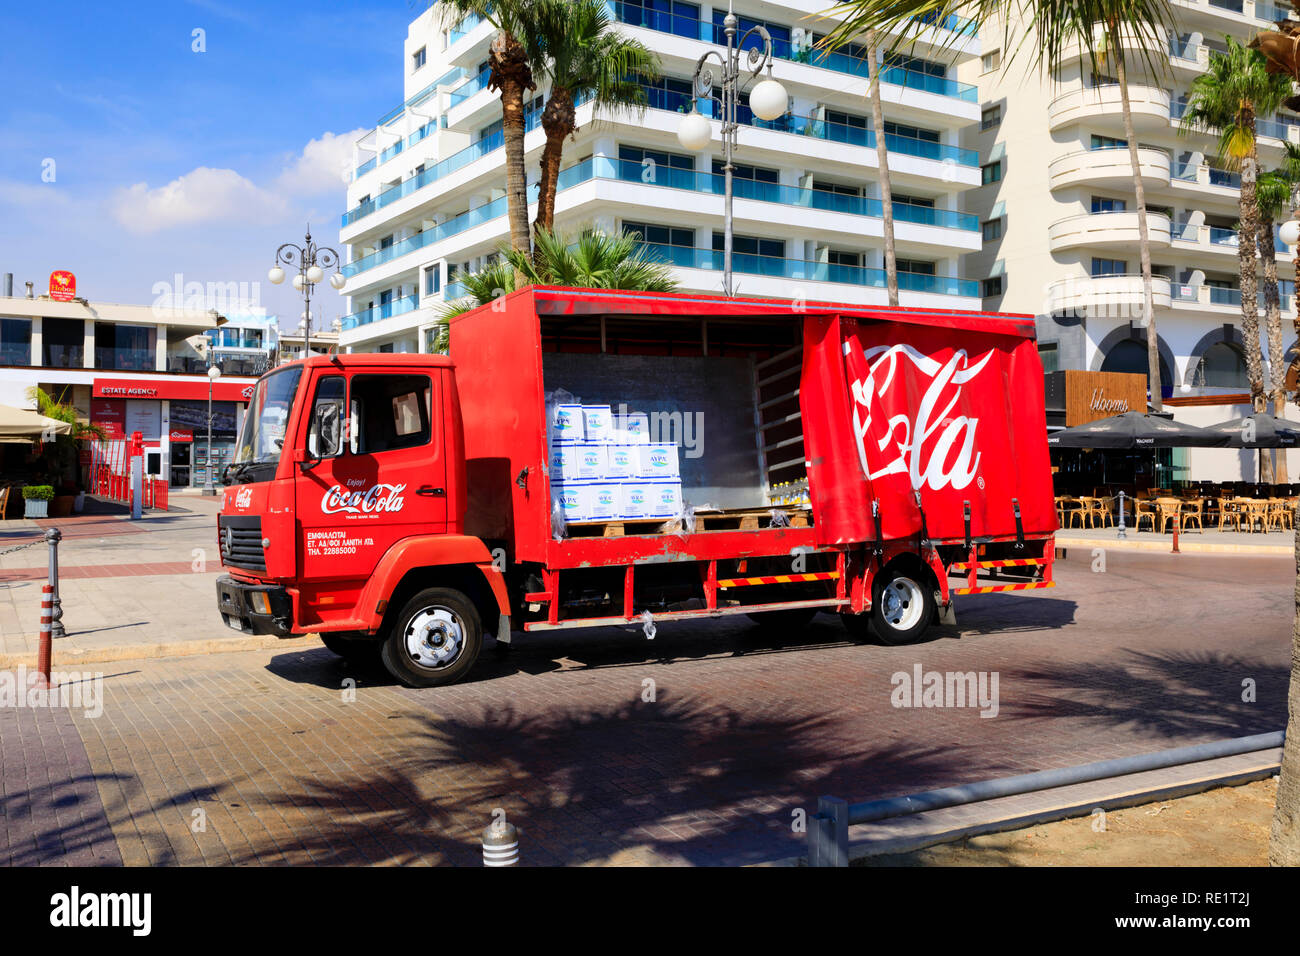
1101	108
689	257
1199	174
1118	230
1114	295
385	311
680	179
1111	167
1216	240
1219	299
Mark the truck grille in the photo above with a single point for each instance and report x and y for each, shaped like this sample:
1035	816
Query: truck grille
240	537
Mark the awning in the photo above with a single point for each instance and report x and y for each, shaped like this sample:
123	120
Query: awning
23	425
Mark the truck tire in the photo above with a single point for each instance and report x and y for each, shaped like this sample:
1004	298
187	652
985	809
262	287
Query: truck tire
435	639
791	621
352	646
902	606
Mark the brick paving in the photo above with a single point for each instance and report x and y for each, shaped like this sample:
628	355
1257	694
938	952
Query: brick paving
74	572
695	748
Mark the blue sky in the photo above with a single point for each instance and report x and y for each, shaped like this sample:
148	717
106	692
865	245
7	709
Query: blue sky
167	160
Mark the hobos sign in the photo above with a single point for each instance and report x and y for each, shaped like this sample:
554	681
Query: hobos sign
1093	395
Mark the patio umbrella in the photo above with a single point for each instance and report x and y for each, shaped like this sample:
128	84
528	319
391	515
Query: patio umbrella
22	425
1269	431
1136	430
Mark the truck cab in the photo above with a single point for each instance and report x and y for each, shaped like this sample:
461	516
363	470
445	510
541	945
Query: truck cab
348	475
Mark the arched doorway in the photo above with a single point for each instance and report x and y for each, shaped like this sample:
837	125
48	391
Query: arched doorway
1222	366
1130	355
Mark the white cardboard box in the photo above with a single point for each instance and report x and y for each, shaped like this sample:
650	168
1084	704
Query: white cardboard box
567	424
622	461
597	423
634	499
591	461
603	500
564	463
663	499
572	498
632	429
658	462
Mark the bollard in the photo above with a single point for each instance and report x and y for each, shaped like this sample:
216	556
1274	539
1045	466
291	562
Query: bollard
501	844
828	833
1177	521
54	536
1122	533
46	649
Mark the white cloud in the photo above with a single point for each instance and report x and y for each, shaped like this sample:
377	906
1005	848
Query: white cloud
322	166
33	195
200	196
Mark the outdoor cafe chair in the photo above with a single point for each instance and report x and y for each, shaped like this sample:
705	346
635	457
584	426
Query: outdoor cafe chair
1229	512
4	501
1101	511
1193	510
1068	510
1280	515
1170	510
1144	508
1254	510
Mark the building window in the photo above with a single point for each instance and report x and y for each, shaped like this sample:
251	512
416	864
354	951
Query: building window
914	64
418	59
913	200
1107	204
910	132
639	156
991	229
1049	353
753	246
915	266
991	173
838	257
991	117
432	280
758	174
125	347
63	343
991	286
991	60
840	189
661	235
15	342
666	16
1109	267
1106	142
1222	367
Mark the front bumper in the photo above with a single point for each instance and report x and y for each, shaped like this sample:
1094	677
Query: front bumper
254	608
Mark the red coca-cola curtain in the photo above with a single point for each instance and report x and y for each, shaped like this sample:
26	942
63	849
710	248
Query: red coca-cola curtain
892	408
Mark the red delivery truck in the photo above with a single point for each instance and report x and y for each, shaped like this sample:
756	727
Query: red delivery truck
588	458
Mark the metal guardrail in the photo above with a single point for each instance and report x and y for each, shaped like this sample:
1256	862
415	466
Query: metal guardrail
828	830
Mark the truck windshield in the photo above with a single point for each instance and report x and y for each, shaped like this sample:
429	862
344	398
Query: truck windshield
262	437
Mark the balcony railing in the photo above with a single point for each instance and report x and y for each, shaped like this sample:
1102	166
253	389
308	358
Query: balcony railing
385	311
689	257
449	165
694	29
629	171
467	89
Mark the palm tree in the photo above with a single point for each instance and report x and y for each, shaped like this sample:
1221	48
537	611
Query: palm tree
587	56
1049	30
1227	99
590	260
882	161
513	58
1274	192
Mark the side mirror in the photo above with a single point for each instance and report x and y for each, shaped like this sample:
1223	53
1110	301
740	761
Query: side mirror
325	435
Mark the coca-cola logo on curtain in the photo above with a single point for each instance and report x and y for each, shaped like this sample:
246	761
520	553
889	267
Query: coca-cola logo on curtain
903	402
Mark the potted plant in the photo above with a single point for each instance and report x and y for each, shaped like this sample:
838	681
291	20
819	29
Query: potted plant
37	500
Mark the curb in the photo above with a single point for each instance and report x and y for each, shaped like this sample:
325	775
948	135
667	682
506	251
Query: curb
1185	546
134	652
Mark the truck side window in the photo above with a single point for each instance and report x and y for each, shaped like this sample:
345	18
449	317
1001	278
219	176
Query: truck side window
392	412
325	433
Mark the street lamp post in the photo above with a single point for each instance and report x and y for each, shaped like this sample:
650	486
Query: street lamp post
767	100
309	258
214	373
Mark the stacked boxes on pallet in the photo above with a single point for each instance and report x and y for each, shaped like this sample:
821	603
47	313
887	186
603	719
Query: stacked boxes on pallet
604	467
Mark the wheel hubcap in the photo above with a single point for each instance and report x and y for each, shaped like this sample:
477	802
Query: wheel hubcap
435	637
901	603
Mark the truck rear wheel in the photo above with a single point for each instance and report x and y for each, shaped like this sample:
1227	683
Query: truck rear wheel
435	639
902	608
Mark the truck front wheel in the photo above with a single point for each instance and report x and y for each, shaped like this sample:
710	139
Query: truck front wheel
435	639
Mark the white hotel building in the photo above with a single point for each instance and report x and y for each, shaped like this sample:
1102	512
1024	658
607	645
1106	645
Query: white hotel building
1061	228
427	197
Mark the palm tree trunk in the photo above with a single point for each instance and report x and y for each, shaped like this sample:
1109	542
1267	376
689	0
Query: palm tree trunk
1284	840
1144	236
1273	331
511	75
558	122
1248	229
882	160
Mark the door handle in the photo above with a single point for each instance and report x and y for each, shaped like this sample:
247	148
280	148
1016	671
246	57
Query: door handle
431	492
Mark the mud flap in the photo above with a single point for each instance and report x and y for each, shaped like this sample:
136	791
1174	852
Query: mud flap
502	634
946	613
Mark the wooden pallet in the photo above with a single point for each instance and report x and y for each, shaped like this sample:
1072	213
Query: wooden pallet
737	520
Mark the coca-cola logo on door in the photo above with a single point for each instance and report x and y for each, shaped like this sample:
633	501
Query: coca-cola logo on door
375	499
897	433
